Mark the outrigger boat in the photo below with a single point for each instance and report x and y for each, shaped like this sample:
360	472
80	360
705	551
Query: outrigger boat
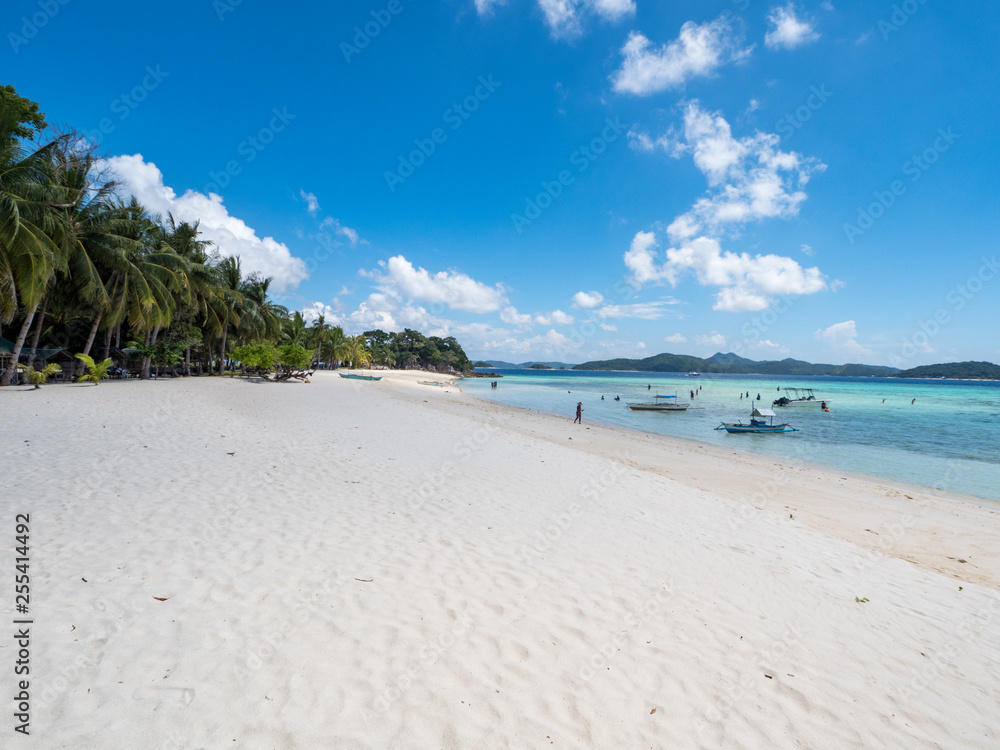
432	382
799	397
661	403
352	376
761	421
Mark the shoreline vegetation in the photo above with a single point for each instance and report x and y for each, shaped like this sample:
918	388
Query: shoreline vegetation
85	268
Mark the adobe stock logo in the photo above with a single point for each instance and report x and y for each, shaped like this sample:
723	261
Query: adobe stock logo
455	116
363	36
31	25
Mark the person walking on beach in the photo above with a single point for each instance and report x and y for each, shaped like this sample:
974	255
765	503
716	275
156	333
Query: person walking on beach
579	413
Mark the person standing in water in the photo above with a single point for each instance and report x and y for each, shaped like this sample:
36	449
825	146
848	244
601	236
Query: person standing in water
579	413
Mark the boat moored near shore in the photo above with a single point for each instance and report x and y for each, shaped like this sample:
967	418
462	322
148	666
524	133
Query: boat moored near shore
761	422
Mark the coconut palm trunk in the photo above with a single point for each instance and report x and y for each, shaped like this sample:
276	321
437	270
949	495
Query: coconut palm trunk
148	359
93	334
8	374
107	343
222	354
38	332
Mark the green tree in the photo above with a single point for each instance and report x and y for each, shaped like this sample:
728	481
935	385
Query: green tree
28	122
38	377
96	371
31	227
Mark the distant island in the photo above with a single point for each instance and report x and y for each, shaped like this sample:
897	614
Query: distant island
954	371
501	365
735	364
731	363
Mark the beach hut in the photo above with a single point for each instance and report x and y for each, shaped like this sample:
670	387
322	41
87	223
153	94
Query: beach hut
6	351
62	357
66	361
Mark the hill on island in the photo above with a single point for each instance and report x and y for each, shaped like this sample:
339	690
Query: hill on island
954	371
733	363
501	365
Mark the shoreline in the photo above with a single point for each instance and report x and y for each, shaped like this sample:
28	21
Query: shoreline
828	519
930	491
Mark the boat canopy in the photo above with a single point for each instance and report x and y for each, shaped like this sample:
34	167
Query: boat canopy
763	413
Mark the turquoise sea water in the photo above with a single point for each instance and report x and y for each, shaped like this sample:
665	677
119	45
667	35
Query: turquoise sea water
949	440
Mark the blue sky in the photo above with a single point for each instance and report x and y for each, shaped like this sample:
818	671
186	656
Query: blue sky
566	179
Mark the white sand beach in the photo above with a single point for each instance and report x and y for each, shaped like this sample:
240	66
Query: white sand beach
339	564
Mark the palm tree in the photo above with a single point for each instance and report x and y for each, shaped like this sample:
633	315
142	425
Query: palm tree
96	372
294	330
146	290
31	227
317	336
204	307
261	318
38	377
357	352
229	290
339	346
337	342
102	234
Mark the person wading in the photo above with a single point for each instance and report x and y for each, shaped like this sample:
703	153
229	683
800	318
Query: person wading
579	413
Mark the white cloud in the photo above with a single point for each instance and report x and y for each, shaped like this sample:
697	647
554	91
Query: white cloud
788	31
715	339
745	282
312	203
608	327
511	316
807	249
313	310
749	179
842	339
456	290
587	300
640	258
351	234
556	317
698	51
551	345
676	338
638	310
565	17
769	347
486	7
230	235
